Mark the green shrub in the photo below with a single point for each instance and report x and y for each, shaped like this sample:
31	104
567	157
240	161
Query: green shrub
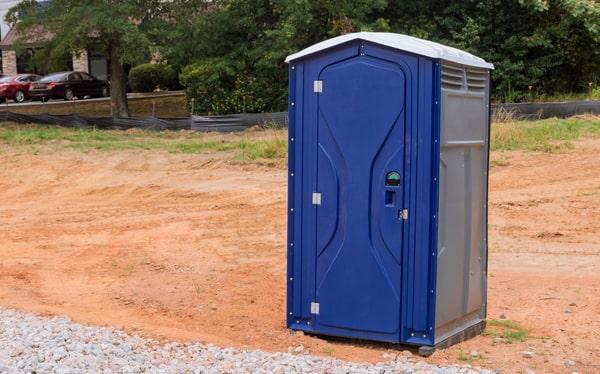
147	77
215	87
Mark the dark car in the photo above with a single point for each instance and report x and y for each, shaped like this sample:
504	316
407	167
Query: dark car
16	87
68	85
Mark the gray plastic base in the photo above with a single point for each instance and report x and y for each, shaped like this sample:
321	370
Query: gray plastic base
467	334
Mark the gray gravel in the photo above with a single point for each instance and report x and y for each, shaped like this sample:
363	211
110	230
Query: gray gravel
31	343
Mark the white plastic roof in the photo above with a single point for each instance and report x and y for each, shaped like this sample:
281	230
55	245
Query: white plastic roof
403	43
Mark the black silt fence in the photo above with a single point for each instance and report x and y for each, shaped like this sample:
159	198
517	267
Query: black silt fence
239	122
229	123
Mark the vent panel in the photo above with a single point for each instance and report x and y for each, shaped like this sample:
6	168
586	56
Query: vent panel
452	78
458	78
476	80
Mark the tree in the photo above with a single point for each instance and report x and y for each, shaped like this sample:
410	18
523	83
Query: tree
235	49
122	29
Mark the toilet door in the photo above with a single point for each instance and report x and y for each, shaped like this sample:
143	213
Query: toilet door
359	199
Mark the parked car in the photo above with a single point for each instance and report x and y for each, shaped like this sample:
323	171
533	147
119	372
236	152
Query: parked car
68	85
16	87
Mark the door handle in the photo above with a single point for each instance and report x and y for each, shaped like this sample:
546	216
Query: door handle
390	198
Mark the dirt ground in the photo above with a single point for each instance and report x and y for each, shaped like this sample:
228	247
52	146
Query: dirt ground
192	247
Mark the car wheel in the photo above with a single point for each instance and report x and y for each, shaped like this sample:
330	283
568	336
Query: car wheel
69	95
105	91
19	96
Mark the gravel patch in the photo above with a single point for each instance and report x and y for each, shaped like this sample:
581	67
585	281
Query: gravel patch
29	343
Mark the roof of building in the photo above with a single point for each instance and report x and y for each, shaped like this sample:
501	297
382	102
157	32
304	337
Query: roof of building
12	38
401	42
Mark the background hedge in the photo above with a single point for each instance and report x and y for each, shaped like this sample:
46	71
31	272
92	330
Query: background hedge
149	77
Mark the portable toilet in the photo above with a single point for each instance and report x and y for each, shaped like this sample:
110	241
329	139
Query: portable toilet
388	175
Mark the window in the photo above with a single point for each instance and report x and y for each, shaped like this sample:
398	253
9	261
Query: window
75	77
54	77
24	60
86	76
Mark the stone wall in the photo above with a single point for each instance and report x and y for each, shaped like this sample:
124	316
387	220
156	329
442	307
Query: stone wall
80	62
9	62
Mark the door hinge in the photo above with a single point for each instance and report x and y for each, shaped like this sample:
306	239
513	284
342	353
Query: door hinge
316	198
404	214
314	308
318	86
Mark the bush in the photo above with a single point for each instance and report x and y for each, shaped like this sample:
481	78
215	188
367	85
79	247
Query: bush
217	88
147	77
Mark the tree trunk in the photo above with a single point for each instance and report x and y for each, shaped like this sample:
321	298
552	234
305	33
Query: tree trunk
118	89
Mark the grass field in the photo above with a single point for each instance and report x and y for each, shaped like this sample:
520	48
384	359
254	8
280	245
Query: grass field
247	146
550	135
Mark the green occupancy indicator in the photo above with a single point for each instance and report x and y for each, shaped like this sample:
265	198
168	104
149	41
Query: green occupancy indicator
392	179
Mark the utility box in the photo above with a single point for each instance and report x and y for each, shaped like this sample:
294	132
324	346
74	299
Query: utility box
388	176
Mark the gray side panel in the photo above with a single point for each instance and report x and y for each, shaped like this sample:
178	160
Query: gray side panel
462	232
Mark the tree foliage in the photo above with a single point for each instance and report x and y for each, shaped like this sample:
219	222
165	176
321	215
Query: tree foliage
122	29
231	52
550	45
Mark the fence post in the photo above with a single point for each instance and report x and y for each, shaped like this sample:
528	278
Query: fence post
193	102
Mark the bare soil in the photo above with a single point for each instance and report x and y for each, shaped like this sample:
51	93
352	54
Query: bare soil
192	247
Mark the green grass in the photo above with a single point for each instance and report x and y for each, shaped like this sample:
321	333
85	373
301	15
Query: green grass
549	135
247	146
509	331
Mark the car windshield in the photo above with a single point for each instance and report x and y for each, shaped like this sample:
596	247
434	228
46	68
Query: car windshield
53	78
6	79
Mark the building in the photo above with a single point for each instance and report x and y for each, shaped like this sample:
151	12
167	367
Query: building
16	61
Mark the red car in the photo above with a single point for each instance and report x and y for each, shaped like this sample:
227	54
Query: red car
16	87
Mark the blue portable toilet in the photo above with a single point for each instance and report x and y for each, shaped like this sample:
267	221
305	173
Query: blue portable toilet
388	171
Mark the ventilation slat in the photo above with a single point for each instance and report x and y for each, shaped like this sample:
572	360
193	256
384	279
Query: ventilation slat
476	80
452	78
452	83
456	75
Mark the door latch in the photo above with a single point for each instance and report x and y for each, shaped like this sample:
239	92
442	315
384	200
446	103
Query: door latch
318	86
314	308
404	214
316	198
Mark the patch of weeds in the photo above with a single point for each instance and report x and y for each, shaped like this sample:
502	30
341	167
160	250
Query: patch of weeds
30	135
588	193
328	350
251	146
550	135
548	234
509	331
466	356
197	288
263	149
553	147
502	161
462	356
